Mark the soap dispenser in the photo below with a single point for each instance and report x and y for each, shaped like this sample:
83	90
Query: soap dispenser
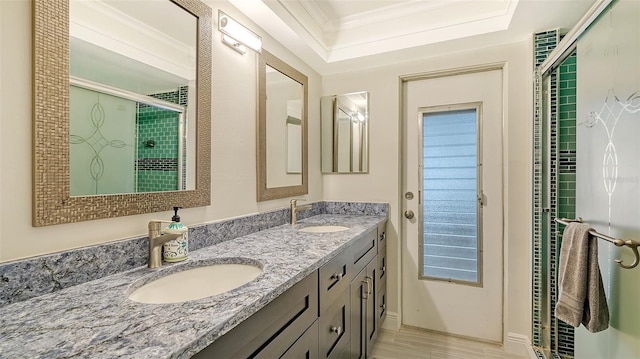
178	249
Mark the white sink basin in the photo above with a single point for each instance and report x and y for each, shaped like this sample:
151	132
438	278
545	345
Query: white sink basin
323	229
196	283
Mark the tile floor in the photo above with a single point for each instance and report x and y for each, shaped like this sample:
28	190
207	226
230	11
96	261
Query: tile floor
409	343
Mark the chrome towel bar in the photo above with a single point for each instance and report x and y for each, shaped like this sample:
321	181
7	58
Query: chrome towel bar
633	245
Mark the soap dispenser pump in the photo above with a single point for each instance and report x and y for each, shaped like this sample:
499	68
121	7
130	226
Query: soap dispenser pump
178	249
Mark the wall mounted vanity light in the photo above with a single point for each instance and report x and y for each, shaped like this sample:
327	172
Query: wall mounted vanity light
236	36
232	43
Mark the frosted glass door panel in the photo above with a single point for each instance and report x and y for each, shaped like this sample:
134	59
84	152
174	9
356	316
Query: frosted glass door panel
450	186
103	138
608	168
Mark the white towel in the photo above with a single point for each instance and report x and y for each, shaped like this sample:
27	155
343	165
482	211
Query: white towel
582	298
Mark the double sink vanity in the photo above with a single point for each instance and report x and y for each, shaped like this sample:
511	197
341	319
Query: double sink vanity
315	289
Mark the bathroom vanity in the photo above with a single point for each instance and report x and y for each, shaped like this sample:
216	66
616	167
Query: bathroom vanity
320	295
335	312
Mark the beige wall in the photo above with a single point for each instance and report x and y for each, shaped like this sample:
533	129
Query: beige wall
383	183
233	151
233	143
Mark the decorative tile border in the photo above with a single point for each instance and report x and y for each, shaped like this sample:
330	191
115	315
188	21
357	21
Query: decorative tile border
32	277
560	182
544	43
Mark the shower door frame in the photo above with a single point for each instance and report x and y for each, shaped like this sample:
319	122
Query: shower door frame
544	183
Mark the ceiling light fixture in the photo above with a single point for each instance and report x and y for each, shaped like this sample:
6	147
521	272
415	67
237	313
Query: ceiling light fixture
236	35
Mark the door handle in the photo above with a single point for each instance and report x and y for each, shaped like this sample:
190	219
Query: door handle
409	214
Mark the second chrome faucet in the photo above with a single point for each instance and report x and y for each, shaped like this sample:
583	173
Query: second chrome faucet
295	209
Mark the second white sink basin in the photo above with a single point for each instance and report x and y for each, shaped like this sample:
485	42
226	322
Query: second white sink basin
196	283
323	229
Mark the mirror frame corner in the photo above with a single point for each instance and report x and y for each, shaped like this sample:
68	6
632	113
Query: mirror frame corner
52	202
264	193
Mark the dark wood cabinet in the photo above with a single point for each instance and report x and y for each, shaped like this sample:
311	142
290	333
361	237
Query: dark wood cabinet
364	314
270	332
306	347
335	322
335	277
335	312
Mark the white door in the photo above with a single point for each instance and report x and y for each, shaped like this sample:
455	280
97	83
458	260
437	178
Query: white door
452	265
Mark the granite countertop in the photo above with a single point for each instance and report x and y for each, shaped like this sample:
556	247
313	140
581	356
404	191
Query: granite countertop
97	320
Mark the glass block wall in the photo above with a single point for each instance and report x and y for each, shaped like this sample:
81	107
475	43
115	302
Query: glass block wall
554	194
157	144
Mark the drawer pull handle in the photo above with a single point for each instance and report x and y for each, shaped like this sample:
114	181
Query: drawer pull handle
337	330
337	276
383	269
369	282
383	306
383	236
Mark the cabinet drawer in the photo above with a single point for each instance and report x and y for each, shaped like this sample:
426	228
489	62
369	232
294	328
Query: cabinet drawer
382	269
335	325
335	276
271	331
382	235
364	249
306	347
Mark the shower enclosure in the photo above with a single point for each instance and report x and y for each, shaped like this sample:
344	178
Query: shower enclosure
586	155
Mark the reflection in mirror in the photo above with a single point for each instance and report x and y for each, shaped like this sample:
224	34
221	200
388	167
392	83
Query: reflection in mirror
122	108
294	146
133	75
282	130
345	133
284	143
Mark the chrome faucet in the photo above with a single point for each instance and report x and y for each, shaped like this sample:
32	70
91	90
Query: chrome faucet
156	240
295	209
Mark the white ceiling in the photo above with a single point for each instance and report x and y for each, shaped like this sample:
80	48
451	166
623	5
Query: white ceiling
341	35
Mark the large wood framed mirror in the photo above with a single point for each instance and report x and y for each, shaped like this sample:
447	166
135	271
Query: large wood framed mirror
282	167
122	108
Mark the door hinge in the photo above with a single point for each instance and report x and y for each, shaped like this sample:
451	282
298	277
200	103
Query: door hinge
481	199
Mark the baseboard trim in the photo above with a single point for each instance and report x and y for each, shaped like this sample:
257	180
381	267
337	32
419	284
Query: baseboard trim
519	344
392	322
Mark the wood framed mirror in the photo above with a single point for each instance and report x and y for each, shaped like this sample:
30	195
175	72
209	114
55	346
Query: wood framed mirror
282	166
344	133
54	202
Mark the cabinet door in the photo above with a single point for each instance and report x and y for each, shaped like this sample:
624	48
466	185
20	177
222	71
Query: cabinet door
358	314
381	311
381	288
371	319
306	347
364	311
335	324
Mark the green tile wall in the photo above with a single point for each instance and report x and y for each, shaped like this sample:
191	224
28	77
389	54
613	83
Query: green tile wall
153	181
566	181
560	182
157	165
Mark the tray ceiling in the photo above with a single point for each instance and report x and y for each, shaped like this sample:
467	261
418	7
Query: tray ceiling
326	32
